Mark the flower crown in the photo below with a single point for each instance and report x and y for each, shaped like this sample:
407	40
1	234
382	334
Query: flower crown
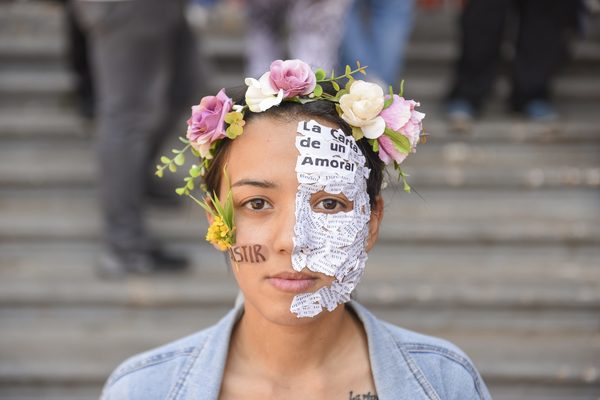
389	123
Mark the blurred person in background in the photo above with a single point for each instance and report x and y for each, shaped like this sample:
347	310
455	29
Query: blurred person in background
539	49
314	31
376	33
143	58
78	60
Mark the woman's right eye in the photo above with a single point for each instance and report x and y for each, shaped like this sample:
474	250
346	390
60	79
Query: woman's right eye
257	204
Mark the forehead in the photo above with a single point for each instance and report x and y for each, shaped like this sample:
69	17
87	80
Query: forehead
327	151
265	150
278	149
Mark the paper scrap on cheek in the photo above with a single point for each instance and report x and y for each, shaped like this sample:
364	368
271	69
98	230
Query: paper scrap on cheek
333	244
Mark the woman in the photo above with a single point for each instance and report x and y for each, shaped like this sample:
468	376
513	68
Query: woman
301	170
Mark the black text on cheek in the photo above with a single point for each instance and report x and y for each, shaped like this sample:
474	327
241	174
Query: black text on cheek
251	253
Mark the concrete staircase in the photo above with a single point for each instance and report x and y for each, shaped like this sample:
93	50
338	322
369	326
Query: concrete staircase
499	252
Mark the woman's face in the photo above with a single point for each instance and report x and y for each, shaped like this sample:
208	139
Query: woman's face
301	225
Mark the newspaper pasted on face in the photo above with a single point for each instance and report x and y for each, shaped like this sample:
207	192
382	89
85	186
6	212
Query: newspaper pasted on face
330	243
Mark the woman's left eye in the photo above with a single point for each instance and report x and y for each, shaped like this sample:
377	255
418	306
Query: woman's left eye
257	204
330	205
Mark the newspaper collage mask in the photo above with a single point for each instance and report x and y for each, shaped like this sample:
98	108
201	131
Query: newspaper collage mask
332	244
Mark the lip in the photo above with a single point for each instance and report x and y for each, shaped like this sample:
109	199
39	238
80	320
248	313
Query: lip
292	282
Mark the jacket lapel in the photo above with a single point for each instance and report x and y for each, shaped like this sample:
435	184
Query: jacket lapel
201	377
396	374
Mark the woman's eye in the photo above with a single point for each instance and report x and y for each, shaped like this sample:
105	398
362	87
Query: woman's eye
330	205
257	204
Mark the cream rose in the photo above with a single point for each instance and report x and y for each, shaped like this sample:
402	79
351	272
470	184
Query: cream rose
261	95
361	107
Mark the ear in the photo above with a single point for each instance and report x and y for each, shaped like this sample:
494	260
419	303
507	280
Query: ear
375	222
209	217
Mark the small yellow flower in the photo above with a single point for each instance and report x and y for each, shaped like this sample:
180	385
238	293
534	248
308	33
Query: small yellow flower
219	234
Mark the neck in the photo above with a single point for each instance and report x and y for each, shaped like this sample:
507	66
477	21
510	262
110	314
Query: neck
288	350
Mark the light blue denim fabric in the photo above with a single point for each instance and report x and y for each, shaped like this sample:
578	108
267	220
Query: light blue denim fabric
379	42
406	366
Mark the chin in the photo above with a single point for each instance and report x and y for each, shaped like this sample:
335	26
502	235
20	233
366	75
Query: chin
278	312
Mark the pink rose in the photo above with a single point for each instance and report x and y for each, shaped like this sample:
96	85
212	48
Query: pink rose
207	124
295	77
388	152
401	117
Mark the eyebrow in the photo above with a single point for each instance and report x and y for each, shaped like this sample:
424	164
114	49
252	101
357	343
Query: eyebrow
252	182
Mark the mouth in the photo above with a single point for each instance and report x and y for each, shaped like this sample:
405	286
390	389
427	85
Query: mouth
293	282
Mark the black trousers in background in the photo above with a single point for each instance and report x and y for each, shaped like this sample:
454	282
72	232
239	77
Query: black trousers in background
145	69
540	47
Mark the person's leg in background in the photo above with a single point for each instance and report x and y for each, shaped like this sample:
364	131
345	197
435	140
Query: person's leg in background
315	31
356	44
542	39
130	47
391	25
79	62
264	40
185	73
482	30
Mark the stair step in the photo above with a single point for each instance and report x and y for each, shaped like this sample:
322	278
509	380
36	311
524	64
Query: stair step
56	87
35	163
84	345
468	215
577	126
461	280
42	122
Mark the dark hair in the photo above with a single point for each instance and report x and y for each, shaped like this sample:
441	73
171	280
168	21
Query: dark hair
292	111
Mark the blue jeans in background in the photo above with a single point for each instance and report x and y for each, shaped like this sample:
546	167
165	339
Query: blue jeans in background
376	34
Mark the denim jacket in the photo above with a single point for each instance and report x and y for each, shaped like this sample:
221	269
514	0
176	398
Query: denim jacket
405	365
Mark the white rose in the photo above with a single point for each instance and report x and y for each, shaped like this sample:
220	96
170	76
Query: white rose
361	107
260	95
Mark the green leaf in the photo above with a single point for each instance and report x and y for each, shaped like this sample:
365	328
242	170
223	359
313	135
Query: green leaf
179	159
165	160
357	133
204	204
217	204
402	176
233	117
400	141
195	171
340	93
375	145
388	102
190	185
180	191
195	152
332	73
348	71
335	85
183	140
402	88
234	131
391	91
349	83
320	74
159	172
318	90
172	167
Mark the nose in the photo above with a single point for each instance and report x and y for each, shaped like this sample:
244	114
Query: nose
283	240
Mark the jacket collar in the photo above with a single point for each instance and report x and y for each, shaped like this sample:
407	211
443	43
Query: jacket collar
396	374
